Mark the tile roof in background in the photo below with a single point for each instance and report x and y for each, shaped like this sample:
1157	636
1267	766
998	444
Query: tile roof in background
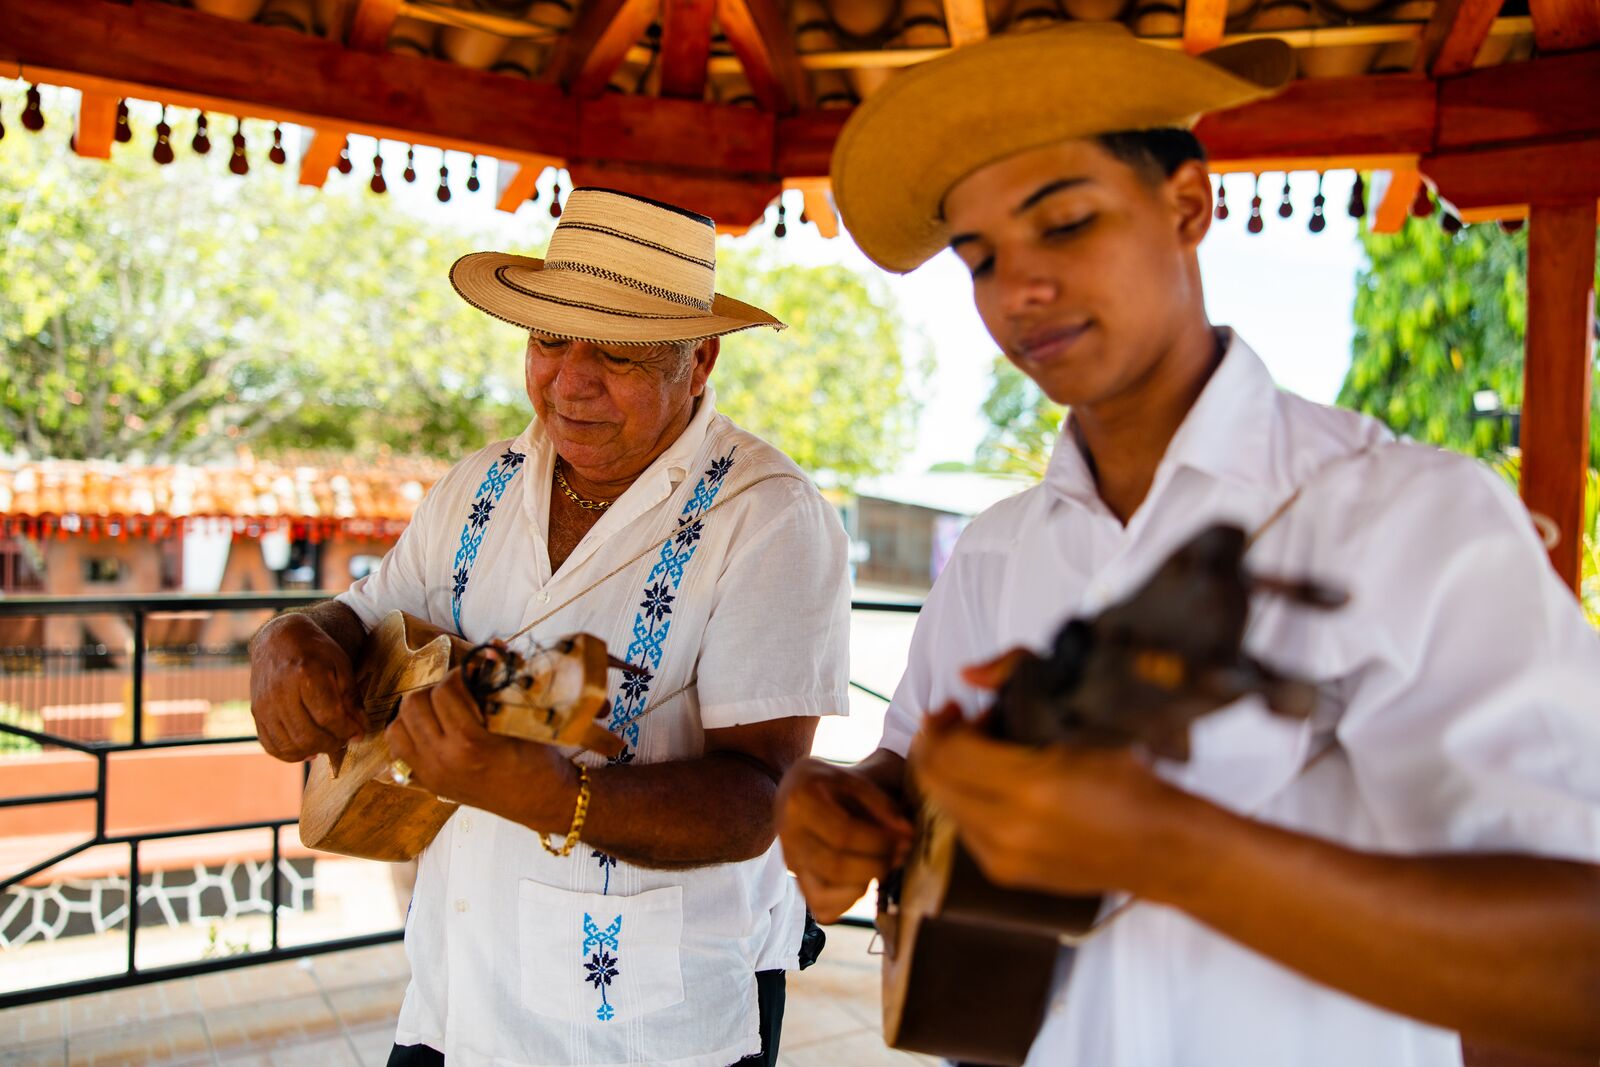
328	494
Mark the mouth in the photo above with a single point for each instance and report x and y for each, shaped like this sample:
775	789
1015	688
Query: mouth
1046	345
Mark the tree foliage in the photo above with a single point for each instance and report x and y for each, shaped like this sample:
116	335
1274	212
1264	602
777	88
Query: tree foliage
1439	317
1023	423
178	312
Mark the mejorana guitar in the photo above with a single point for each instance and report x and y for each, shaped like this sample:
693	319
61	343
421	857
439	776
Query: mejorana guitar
967	965
360	804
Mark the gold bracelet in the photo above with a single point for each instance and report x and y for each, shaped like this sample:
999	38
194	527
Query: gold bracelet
579	813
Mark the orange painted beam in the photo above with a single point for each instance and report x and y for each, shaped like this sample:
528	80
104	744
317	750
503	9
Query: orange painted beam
1564	25
967	21
1552	172
97	125
516	189
590	52
1202	24
322	152
1556	373
1454	34
761	38
819	204
371	24
685	46
1395	207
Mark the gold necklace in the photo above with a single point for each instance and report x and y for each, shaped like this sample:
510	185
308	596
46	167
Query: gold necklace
587	505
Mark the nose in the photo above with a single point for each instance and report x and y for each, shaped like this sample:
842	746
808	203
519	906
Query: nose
1023	283
579	375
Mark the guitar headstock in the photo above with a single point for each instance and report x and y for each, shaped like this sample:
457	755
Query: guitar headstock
555	694
1146	667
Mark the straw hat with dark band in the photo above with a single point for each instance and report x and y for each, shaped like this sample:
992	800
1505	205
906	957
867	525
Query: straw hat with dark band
620	270
912	141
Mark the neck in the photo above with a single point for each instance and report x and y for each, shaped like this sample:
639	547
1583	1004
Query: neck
1125	436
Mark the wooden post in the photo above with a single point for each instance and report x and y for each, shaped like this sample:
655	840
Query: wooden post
1556	374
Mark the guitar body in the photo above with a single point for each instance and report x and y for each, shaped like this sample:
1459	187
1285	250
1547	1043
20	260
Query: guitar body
353	806
967	965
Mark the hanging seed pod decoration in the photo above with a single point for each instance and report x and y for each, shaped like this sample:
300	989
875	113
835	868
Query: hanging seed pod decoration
555	200
276	153
805	216
781	230
1285	208
2	131
239	163
202	140
444	184
378	185
473	185
344	166
1221	211
1422	203
124	132
1449	223
1510	225
32	113
162	153
1318	221
1256	224
1358	199
410	173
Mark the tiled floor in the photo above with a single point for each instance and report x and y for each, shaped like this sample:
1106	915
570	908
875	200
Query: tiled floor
338	1010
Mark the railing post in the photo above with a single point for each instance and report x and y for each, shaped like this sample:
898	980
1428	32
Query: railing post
138	675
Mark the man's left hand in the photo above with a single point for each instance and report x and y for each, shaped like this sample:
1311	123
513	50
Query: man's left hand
440	733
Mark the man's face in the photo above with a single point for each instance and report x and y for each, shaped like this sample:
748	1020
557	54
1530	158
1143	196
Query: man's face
1082	267
610	409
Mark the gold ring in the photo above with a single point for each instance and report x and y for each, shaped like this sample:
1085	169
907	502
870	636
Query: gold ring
400	771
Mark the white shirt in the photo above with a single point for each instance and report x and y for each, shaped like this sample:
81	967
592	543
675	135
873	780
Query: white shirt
519	958
1464	676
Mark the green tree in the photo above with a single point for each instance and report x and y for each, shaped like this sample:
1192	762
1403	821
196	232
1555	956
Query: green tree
177	312
1438	317
1023	423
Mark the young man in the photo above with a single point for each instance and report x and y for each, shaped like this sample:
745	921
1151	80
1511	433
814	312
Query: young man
1416	861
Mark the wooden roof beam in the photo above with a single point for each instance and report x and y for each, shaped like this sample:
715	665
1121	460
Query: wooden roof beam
685	46
967	21
759	34
590	52
1395	207
371	23
1564	25
322	152
1203	24
1454	35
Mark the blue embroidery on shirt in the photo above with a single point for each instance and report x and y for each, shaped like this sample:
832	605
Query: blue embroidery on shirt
654	619
499	475
601	965
606	862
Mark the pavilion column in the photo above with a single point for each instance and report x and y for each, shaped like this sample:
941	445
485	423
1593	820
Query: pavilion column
1556	373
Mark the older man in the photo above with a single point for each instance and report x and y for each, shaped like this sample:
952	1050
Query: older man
631	509
1416	861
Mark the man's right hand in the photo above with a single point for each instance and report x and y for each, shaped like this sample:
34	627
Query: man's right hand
302	690
841	828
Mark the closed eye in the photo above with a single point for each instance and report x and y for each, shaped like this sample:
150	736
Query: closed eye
984	267
1069	228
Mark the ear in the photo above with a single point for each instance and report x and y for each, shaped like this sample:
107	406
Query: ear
1188	194
705	361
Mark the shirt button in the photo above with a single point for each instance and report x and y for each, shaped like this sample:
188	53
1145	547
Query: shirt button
461	905
466	823
543	597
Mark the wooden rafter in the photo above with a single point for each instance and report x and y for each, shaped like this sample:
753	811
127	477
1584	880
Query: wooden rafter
322	152
761	38
685	46
590	52
371	23
1549	98
1454	34
1563	25
1560	172
97	125
1395	207
967	21
1203	24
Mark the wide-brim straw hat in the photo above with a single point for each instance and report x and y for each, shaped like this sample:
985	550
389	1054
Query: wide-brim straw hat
911	142
620	270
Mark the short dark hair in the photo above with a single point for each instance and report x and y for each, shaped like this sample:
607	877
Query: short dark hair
1153	153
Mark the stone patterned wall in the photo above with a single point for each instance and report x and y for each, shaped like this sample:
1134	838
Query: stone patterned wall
166	898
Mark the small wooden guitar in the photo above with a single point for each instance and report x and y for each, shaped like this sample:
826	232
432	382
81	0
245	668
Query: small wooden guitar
967	965
360	803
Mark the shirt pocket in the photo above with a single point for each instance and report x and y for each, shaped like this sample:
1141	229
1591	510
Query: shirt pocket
599	958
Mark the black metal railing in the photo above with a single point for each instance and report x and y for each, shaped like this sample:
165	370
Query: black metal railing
137	611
